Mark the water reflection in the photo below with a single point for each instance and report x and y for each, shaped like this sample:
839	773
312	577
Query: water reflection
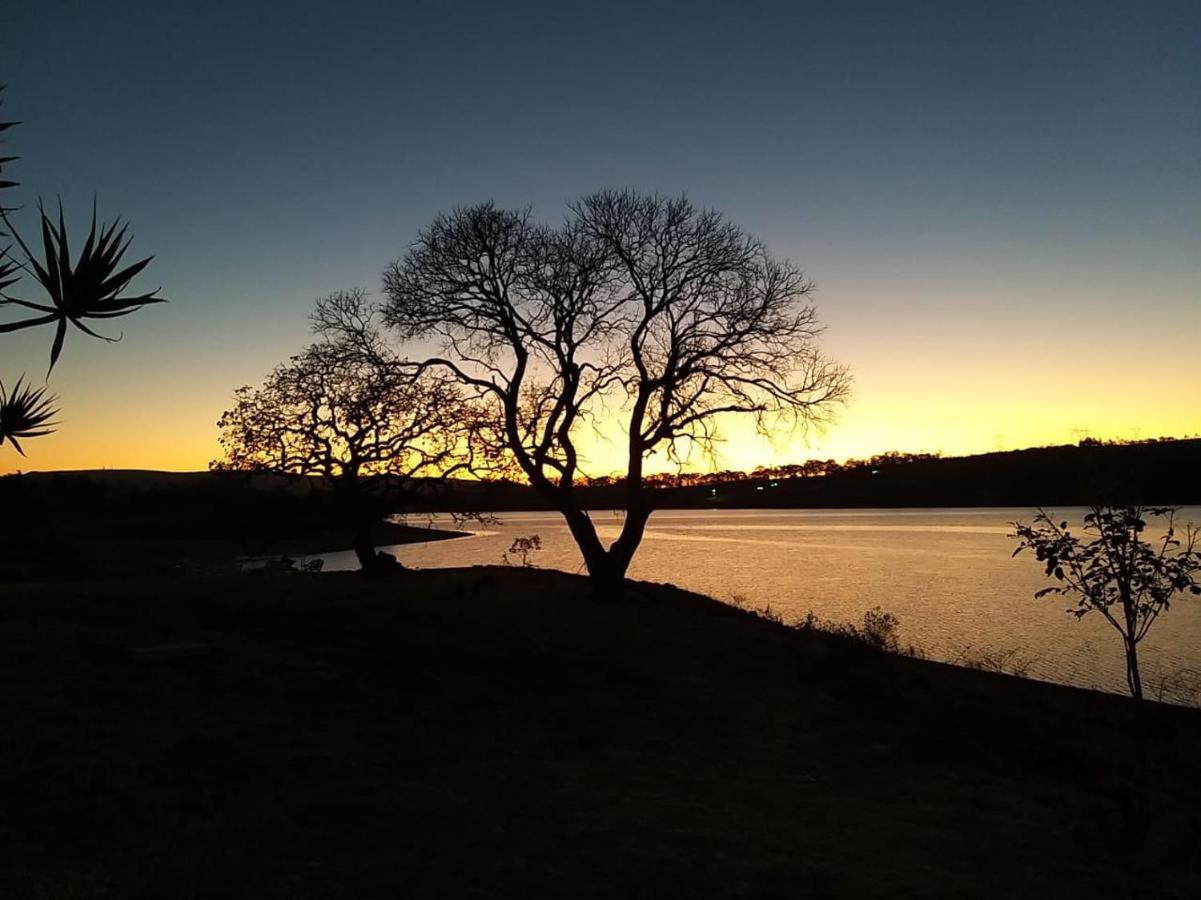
947	574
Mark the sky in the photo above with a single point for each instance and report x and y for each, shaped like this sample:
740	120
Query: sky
1000	202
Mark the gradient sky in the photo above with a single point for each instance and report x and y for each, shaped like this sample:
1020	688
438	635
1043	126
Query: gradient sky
1000	202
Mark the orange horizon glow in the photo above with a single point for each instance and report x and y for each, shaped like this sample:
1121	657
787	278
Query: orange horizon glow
914	391
187	448
1000	212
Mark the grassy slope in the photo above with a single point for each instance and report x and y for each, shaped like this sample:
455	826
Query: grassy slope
476	732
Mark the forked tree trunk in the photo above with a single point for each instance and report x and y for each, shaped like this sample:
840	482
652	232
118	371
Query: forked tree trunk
607	567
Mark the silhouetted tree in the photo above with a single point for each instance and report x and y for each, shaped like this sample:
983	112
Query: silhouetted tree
1127	579
521	548
639	303
368	430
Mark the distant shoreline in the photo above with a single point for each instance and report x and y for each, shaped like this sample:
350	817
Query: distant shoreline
1156	473
334	540
107	555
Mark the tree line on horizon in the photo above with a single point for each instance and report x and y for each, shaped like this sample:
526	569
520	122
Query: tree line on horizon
816	468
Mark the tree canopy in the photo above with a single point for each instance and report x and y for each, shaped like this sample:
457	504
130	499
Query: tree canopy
641	307
370	430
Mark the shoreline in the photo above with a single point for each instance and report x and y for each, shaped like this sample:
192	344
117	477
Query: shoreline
166	551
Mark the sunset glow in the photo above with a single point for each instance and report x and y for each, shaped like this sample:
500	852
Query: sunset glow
1002	262
625	449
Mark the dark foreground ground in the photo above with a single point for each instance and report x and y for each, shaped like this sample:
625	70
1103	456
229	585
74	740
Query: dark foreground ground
496	732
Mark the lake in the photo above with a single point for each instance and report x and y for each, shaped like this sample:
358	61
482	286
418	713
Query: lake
947	574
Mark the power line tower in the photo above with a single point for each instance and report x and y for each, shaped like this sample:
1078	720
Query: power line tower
1079	434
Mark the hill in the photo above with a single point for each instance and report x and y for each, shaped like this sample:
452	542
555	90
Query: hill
1155	472
1161	472
1167	473
120	523
507	732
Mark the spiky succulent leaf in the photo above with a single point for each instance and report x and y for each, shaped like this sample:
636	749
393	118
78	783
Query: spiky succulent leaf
91	288
25	412
10	271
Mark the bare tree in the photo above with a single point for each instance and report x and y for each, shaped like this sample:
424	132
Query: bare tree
643	307
371	431
1129	580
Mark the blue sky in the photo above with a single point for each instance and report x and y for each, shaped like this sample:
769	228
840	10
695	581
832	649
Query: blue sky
1000	202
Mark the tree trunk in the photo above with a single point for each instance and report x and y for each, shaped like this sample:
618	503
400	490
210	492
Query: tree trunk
1130	613
370	559
364	546
361	513
584	533
621	553
1133	679
606	567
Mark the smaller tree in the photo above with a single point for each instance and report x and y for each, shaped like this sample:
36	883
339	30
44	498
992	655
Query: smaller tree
371	431
521	548
1119	573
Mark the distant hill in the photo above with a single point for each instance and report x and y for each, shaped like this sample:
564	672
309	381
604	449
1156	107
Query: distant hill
109	523
152	479
1163	472
1167	473
1157	472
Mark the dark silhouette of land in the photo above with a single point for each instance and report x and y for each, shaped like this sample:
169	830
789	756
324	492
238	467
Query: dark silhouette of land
1159	472
117	524
1162	472
1156	473
124	522
509	732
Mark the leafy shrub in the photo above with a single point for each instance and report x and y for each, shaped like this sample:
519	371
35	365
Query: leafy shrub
521	548
1119	573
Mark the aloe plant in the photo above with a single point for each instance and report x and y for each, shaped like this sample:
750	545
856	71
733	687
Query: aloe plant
25	412
90	289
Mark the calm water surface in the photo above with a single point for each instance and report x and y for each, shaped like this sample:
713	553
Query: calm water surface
947	574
